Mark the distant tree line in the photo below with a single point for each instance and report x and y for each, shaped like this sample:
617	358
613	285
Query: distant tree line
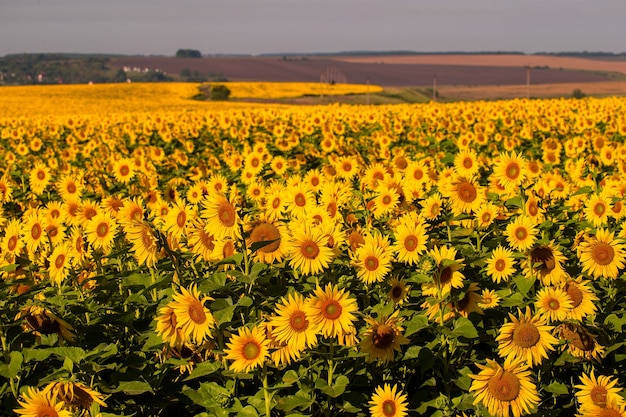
188	53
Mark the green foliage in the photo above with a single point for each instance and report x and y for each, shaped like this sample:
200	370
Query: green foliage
219	92
188	53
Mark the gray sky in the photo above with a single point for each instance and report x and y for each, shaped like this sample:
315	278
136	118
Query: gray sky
160	27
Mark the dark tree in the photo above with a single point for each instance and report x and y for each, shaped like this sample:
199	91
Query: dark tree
188	53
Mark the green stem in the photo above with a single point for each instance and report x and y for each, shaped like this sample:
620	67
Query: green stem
266	392
331	363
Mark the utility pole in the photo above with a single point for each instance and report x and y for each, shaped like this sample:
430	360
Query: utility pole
368	90
435	87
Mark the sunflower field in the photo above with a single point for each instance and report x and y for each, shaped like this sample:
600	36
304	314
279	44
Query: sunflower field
187	259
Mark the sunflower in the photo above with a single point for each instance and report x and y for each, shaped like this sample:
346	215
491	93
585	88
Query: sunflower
466	163
486	215
597	210
76	395
248	349
583	298
533	210
274	236
510	170
579	341
501	264
553	304
221	215
469	302
383	338
34	231
432	206
291	325
448	269
131	213
388	401
602	255
526	338
39	178
308	249
167	327
505	390
59	264
398	291
192	316
410	243
144	243
298	199
42	321
69	187
372	261
331	310
465	195
178	218
490	299
597	391
546	262
521	233
100	232
613	408
12	242
35	403
55	230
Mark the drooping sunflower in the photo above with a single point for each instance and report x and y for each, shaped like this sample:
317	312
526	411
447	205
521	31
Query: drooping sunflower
167	327
388	401
546	262
526	337
553	304
602	255
247	349
410	243
77	396
579	341
501	264
597	391
42	321
292	325
505	390
36	403
308	249
470	302
221	215
192	316
521	233
398	291
331	310
583	298
272	235
448	273
144	243
383	338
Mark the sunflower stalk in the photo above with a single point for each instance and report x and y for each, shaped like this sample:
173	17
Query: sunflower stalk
266	392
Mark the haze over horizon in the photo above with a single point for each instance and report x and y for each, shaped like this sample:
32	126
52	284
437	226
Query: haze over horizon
251	27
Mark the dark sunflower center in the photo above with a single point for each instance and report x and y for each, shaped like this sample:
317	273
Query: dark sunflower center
102	230
599	209
124	170
500	265
71	188
545	256
526	335
521	233
467	163
300	200
387	200
553	304
575	294
396	291
383	336
504	387
598	395
227	214
41	175
181	219
602	253
47	411
35	231
59	261
266	232
445	275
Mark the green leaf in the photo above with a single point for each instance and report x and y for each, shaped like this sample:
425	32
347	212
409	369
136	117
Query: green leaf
417	323
75	354
515	202
291	377
556	387
463	327
133	387
515	300
615	321
248	411
15	364
9	268
412	352
35	354
224	315
524	284
338	387
203	369
137	280
258	245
